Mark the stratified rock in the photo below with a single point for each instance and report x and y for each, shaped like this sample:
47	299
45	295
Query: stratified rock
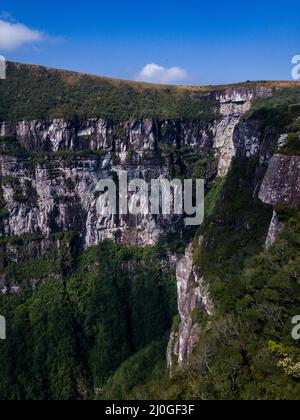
63	189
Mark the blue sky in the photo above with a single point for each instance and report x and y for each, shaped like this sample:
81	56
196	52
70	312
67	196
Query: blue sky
192	42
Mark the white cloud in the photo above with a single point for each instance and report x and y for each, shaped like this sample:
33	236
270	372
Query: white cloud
153	73
14	35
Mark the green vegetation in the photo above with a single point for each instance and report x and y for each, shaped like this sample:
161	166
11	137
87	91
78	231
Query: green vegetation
21	240
280	110
95	324
46	94
236	228
281	114
86	316
246	350
146	366
66	157
248	321
9	146
213	195
130	154
187	162
292	146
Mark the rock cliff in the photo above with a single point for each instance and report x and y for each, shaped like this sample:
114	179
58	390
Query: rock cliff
53	190
281	185
193	297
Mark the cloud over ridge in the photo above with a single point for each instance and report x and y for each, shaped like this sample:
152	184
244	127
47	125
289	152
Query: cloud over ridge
154	73
14	35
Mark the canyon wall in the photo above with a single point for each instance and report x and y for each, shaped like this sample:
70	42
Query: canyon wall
50	189
54	190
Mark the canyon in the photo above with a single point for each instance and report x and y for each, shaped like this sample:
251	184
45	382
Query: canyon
64	188
50	167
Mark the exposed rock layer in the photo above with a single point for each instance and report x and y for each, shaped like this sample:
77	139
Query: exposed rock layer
58	195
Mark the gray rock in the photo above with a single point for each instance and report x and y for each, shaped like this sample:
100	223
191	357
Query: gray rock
282	181
192	294
281	185
275	229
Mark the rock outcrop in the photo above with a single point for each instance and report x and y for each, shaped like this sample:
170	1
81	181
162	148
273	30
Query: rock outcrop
193	298
282	181
281	185
53	194
275	229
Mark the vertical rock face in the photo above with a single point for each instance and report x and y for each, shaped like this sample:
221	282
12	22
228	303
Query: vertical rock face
251	141
60	196
281	185
233	105
282	181
275	229
193	297
57	194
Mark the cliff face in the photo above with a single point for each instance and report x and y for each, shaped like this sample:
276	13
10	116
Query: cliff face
54	190
281	185
282	181
193	297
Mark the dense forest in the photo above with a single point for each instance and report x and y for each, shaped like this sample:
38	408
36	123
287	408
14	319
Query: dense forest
87	314
46	94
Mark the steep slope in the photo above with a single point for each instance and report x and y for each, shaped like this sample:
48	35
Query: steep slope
249	268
